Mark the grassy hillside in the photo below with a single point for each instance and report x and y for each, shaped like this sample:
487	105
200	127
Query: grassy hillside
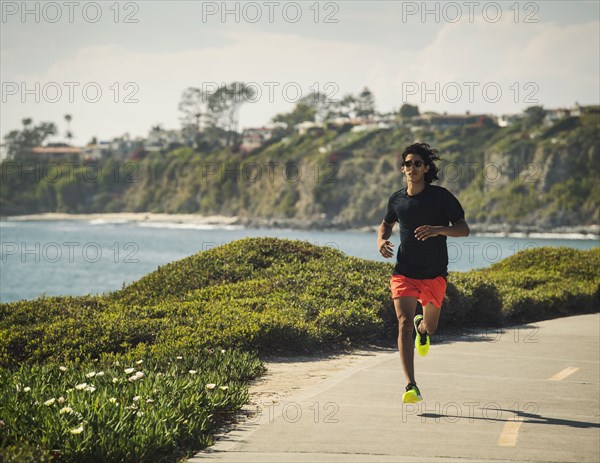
540	175
274	295
149	372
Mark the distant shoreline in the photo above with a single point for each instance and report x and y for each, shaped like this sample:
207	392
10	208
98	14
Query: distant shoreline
590	232
125	217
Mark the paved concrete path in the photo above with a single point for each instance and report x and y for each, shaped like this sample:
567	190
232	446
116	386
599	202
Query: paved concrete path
526	394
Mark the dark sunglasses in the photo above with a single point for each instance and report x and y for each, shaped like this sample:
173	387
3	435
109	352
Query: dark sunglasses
410	163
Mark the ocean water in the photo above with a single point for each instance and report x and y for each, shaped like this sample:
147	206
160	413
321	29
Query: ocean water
76	257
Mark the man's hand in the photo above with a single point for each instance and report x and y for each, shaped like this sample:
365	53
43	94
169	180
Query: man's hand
459	229
427	231
386	248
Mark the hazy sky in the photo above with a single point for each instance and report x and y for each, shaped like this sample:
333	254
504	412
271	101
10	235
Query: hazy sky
121	67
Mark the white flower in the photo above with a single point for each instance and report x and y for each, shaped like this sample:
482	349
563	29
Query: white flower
91	374
113	400
64	410
81	387
137	397
61	368
192	372
211	386
222	351
179	357
224	388
90	388
61	400
149	401
115	380
100	373
138	375
129	370
50	401
78	430
26	389
139	362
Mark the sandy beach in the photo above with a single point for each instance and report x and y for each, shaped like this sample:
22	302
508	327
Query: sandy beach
488	230
125	217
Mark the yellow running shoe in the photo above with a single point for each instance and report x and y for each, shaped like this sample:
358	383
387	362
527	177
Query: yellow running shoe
412	394
422	341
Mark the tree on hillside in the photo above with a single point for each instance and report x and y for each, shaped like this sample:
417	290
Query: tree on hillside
20	142
301	113
346	107
224	105
319	103
407	111
365	104
156	133
534	115
193	104
69	134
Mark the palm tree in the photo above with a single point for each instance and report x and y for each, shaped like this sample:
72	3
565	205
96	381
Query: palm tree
157	130
69	134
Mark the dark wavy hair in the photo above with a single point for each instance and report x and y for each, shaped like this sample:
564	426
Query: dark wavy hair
428	154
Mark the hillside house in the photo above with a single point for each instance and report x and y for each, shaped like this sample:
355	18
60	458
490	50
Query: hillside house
56	151
507	120
556	114
97	151
161	140
253	138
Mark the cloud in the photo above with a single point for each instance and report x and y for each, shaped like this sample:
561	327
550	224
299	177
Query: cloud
561	59
274	61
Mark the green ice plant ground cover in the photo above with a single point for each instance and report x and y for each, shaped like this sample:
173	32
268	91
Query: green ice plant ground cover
122	410
150	372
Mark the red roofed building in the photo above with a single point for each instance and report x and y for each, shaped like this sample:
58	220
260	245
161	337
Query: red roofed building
56	151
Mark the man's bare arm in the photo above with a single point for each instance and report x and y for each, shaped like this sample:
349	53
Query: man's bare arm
385	231
459	229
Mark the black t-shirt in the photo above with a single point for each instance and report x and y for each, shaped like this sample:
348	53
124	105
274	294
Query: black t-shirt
432	206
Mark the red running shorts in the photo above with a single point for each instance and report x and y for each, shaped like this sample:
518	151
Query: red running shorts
426	291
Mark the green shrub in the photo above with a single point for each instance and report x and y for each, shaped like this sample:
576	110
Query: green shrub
538	284
471	300
271	295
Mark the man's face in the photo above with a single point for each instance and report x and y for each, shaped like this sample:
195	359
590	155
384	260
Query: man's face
414	168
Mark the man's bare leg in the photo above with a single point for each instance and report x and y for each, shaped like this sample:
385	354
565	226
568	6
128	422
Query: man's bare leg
431	315
405	311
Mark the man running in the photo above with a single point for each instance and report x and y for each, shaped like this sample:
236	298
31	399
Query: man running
424	212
